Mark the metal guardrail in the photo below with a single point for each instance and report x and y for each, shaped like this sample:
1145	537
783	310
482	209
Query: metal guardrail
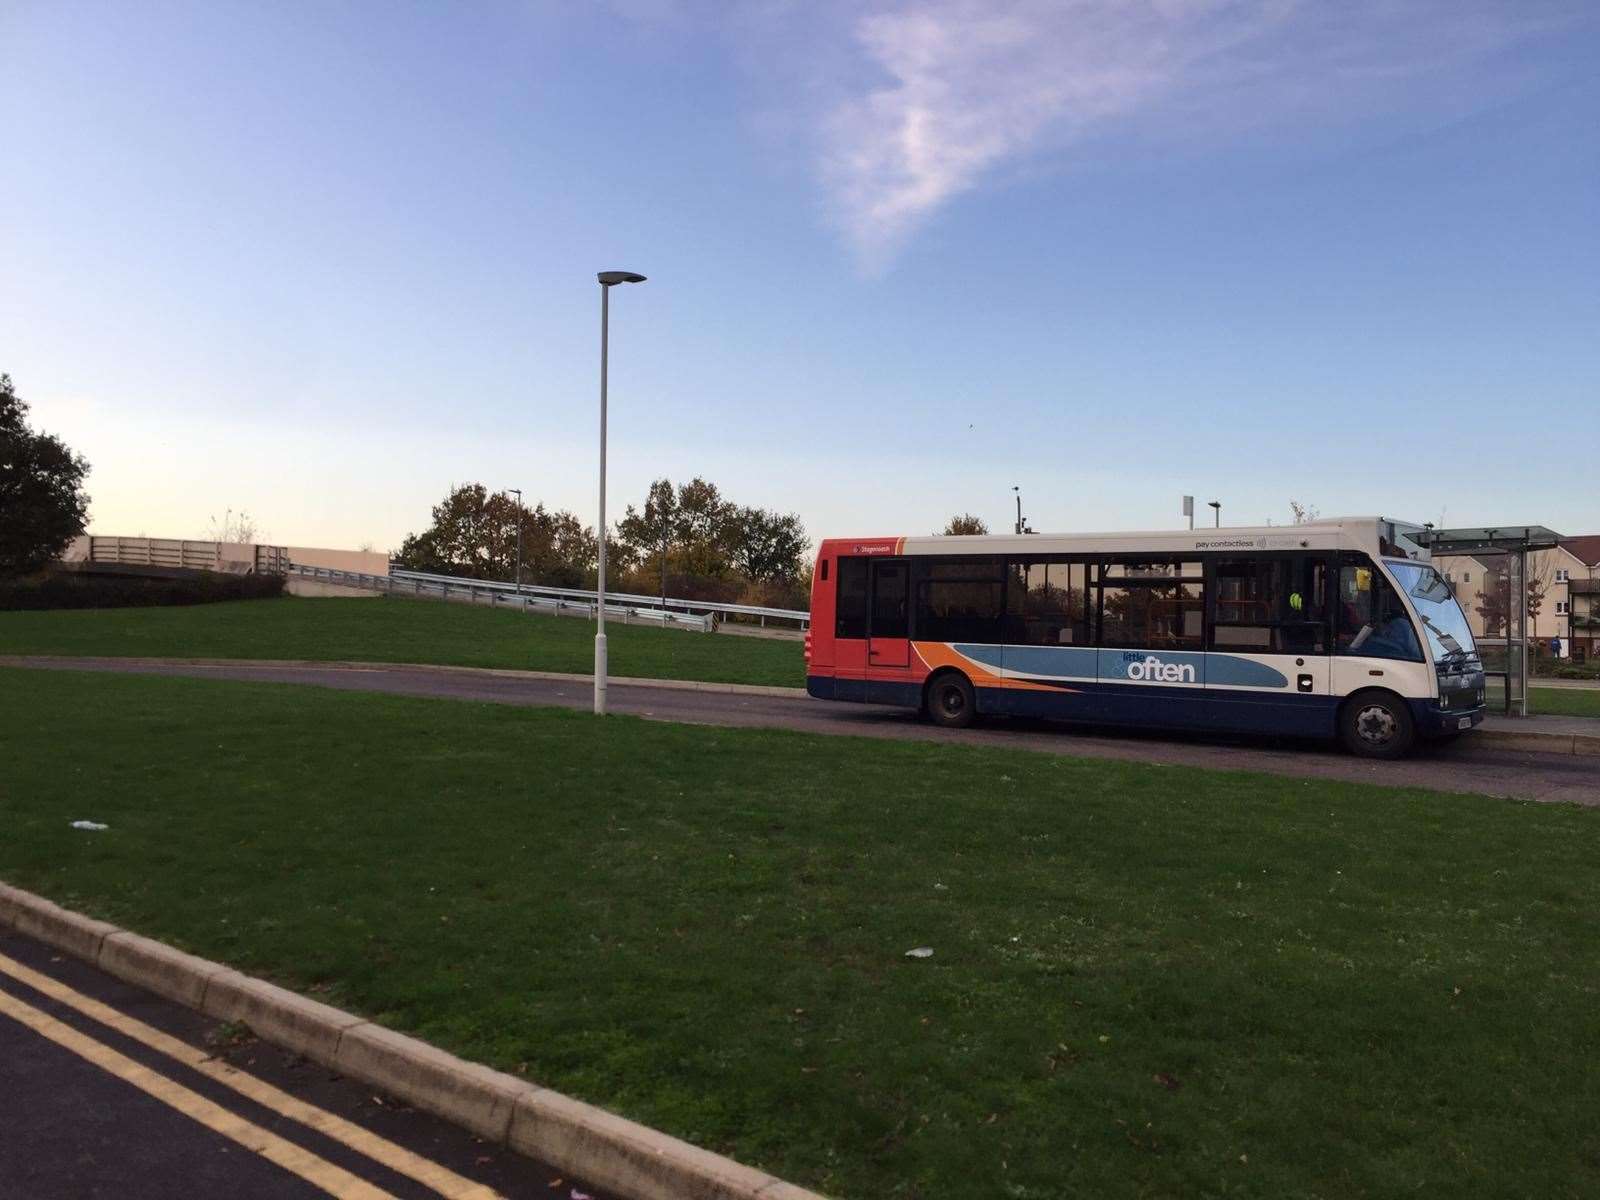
502	595
638	602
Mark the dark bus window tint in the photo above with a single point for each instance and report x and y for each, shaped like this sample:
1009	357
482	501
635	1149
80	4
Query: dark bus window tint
890	585
1157	569
957	610
1055	609
1271	605
1152	616
1372	621
851	612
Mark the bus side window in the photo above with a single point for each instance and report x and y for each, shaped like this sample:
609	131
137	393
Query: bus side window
851	608
1372	621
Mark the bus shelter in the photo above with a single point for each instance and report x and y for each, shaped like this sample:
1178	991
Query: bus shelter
1513	544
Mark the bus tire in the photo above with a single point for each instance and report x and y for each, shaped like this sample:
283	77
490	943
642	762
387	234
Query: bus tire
1376	725
949	701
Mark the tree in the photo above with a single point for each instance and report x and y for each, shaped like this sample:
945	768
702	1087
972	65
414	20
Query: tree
474	533
768	546
42	504
236	528
691	527
966	523
1303	514
1492	604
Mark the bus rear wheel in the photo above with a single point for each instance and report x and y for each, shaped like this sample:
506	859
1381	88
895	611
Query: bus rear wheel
1376	725
950	701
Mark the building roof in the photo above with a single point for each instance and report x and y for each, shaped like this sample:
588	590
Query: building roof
1586	548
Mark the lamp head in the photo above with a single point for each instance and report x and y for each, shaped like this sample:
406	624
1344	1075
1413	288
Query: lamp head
608	278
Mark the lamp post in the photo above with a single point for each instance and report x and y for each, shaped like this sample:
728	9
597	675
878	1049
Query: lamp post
1216	508
517	492
608	280
1018	491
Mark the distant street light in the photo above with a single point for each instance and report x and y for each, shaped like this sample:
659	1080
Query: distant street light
517	492
608	279
1018	491
1216	507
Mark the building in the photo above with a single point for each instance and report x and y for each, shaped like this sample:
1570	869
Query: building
1567	580
1582	587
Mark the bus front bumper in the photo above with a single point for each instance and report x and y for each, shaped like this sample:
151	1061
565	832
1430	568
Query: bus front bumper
1434	721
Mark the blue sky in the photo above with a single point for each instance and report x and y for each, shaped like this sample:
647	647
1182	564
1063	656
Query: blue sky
320	261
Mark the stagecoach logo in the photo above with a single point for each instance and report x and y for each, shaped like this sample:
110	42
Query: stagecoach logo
1151	669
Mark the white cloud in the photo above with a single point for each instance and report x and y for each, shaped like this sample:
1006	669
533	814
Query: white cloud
960	88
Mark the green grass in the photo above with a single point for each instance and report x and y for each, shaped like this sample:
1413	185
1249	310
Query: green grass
1147	981
1564	702
397	630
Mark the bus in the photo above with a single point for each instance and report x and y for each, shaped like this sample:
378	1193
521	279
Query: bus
1338	628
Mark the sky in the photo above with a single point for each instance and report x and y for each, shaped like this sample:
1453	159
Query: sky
321	261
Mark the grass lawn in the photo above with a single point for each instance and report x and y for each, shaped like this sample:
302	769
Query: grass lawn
396	630
1564	702
1146	980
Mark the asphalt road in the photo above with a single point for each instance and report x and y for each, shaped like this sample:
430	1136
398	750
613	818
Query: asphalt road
74	1123
1459	766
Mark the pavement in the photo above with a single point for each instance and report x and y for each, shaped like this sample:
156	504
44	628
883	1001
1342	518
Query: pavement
1468	764
109	1091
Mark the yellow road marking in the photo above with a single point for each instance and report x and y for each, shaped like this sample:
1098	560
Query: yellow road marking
441	1179
336	1181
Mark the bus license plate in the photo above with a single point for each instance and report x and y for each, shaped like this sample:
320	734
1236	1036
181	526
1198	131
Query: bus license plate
1464	723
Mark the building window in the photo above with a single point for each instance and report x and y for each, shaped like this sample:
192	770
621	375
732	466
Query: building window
1562	608
1561	575
1466	577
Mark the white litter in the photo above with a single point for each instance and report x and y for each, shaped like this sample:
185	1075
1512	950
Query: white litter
920	952
89	825
941	887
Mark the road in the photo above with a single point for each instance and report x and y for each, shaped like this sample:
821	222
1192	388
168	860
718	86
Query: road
1458	766
109	1091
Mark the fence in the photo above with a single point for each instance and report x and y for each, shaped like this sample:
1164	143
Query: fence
237	558
503	595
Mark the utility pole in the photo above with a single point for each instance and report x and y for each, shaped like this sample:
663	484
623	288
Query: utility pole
517	492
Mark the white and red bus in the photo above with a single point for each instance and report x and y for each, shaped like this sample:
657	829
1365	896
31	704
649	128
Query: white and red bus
1333	628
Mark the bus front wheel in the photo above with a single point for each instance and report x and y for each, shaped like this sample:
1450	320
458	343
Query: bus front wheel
1376	725
950	701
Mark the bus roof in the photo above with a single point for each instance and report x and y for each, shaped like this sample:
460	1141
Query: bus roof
1329	533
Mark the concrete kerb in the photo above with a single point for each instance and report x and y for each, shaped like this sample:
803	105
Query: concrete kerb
677	685
611	1152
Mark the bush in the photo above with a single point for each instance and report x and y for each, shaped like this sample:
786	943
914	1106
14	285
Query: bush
82	589
1575	671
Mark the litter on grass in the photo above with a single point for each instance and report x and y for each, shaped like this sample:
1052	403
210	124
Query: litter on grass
89	825
920	952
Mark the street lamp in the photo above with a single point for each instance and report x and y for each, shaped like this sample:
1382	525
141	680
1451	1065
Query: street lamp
608	279
1216	507
517	492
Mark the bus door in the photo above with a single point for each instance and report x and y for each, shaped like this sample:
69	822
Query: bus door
1267	665
888	638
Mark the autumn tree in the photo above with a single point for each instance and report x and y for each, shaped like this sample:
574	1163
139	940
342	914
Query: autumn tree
965	523
1303	514
474	534
42	504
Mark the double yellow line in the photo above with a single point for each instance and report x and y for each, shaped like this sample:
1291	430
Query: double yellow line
334	1180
